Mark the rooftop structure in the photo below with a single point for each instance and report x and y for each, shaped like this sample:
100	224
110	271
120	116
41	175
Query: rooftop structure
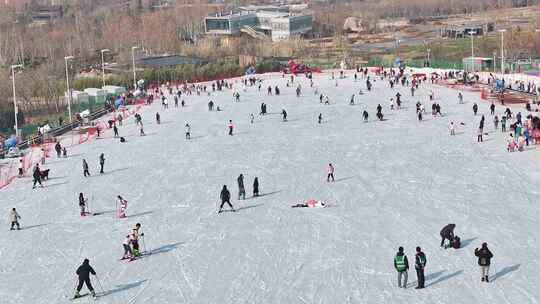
260	22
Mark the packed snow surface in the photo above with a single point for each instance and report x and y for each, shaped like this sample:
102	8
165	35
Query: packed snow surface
398	182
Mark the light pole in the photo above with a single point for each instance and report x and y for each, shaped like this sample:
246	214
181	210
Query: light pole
502	50
68	89
428	62
133	48
13	67
472	33
103	64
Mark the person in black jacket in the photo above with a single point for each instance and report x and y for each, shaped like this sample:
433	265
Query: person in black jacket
225	197
256	187
58	149
419	264
37	176
447	233
484	260
101	163
241	188
84	272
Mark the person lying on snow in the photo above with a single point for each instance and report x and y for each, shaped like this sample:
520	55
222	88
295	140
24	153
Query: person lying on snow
311	204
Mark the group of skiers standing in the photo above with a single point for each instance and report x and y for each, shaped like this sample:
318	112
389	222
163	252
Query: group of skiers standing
225	194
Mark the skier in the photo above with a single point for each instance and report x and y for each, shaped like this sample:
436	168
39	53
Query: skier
82	204
37	176
141	130
419	265
251	118
64	152
496	122
481	130
241	189
135	239
447	233
460	98
475	108
14	217
320	118
158	118
330	171
115	129
85	168
84	272
484	260
379	113
256	187
452	128
492	108
101	163
402	266
284	114
231	127
225	197
188	131
365	115
21	167
351	102
326	100
58	149
122	206
503	123
311	204
128	253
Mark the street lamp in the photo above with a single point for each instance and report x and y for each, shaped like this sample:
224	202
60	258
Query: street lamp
133	48
103	64
428	62
472	33
68	89
502	50
13	67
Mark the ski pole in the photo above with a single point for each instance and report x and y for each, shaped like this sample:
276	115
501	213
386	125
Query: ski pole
100	286
142	243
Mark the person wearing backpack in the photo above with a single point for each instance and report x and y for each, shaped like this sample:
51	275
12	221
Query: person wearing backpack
419	264
484	260
402	266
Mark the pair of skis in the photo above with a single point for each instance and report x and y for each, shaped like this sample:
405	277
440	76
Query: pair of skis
83	296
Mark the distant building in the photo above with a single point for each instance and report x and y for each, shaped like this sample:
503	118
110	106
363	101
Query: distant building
276	23
465	30
46	14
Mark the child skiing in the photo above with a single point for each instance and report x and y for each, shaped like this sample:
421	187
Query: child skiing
122	205
128	253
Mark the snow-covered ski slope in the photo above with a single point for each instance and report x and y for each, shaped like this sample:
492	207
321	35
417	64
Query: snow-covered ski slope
398	182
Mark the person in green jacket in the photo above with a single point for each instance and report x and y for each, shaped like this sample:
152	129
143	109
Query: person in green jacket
402	266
